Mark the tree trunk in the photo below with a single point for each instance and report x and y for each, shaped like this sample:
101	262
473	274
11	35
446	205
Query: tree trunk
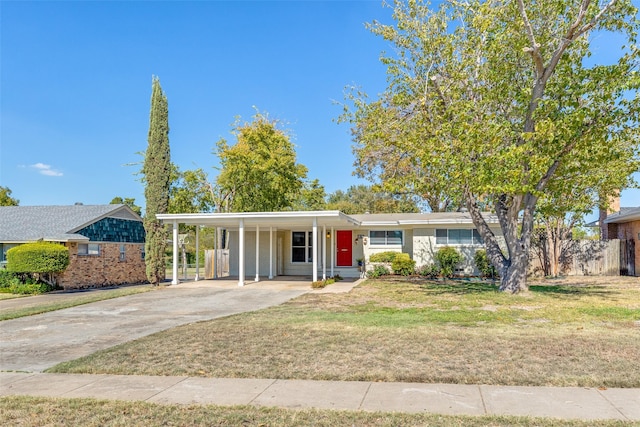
514	278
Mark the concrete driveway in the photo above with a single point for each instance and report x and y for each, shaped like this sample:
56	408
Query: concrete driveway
35	343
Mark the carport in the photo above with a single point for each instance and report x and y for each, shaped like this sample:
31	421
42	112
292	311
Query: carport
319	221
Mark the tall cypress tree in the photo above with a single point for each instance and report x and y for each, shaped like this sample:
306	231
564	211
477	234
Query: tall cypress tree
157	176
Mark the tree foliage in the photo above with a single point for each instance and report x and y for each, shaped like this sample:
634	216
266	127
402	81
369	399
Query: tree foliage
45	260
6	199
190	192
359	199
259	172
157	177
129	201
496	105
312	197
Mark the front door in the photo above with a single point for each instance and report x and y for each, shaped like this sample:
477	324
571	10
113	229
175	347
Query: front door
344	247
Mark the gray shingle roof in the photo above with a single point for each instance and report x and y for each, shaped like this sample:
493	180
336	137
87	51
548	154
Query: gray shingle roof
625	215
55	223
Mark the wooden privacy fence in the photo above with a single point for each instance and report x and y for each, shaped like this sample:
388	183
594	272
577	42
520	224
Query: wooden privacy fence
589	257
216	263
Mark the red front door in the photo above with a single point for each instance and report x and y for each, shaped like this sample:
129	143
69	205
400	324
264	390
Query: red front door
344	246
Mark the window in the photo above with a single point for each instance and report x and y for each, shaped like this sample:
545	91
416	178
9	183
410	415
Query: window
385	237
123	253
458	237
88	249
142	252
301	246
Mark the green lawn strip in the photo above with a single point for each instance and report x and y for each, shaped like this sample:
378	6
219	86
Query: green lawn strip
39	411
67	302
6	295
372	335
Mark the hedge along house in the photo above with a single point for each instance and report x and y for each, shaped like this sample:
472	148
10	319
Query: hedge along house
106	242
323	244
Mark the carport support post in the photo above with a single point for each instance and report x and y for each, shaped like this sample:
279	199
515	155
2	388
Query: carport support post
197	253
332	251
324	252
270	253
257	279
241	253
315	249
174	278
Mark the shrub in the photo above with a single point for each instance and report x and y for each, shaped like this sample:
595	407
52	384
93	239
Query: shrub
319	284
387	256
484	265
378	271
23	284
44	259
403	265
429	270
448	258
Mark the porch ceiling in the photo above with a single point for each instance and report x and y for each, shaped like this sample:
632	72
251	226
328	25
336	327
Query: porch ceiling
281	220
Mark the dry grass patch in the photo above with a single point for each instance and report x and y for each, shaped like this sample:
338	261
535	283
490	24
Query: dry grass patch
32	412
581	334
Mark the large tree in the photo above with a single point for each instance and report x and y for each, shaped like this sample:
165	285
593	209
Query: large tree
259	172
6	199
501	105
157	178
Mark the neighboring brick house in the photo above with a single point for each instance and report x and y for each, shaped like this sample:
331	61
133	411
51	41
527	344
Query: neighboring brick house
625	225
106	242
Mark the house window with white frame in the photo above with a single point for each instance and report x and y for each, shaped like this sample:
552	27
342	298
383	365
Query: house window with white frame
458	237
88	249
385	237
301	246
123	252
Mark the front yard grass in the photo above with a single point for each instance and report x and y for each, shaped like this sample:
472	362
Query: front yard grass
582	333
36	412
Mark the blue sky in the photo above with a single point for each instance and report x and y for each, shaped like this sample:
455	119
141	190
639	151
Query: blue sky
76	83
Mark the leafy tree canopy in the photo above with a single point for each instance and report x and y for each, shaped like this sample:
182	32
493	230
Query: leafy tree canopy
359	199
259	172
496	104
6	199
129	201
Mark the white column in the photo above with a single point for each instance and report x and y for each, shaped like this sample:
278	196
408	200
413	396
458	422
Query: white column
324	252
241	253
257	279
270	253
197	253
215	253
174	274
333	252
315	249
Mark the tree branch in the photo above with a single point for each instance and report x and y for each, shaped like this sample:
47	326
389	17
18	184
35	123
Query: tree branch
534	50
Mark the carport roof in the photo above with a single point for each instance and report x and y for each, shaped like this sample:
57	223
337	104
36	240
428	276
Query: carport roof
290	219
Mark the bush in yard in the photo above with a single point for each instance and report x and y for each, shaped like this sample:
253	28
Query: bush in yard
43	260
13	283
484	265
387	256
448	258
429	270
378	271
403	265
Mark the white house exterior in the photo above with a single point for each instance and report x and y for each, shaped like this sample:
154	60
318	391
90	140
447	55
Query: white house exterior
322	244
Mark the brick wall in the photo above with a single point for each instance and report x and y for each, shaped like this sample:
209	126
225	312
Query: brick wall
105	269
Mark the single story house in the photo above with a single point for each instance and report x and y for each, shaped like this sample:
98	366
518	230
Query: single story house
327	243
106	242
625	225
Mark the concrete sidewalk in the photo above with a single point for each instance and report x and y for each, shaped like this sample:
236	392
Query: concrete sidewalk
446	399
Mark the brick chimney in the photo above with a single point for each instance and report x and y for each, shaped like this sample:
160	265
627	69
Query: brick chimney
612	207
